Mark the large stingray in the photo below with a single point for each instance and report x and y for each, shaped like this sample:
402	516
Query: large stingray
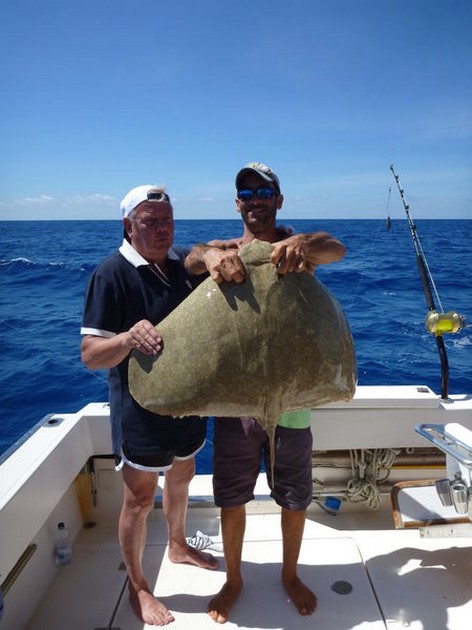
272	344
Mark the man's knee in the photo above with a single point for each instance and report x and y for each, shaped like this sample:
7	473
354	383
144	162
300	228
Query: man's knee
182	471
140	489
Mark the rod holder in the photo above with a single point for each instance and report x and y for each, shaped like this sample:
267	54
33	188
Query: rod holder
460	496
443	488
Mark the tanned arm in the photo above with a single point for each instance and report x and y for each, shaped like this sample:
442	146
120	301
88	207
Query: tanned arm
295	253
102	353
305	251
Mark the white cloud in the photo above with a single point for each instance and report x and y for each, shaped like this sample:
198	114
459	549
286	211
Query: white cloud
42	200
39	200
95	198
206	199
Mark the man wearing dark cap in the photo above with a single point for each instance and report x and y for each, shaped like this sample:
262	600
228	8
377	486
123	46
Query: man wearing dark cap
239	443
128	294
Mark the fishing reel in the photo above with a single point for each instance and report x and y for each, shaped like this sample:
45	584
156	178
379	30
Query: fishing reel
442	323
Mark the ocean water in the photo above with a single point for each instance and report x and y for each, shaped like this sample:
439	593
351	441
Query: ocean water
45	266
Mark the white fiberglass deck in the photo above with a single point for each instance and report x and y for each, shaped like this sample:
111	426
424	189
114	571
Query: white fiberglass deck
399	580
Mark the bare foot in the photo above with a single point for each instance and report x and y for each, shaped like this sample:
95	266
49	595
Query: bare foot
303	598
149	609
220	605
189	555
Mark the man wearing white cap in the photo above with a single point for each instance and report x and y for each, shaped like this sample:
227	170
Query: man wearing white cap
241	443
128	294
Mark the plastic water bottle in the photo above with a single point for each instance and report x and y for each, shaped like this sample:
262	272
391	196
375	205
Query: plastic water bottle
63	546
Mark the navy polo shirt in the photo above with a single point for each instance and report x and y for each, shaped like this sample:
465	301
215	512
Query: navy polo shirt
123	290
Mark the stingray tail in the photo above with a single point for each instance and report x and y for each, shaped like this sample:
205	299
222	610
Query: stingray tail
271	435
269	423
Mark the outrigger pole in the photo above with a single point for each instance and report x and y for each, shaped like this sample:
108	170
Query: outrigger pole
436	323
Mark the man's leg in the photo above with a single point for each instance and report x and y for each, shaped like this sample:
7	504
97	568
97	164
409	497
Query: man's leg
138	501
293	524
236	464
175	502
233	524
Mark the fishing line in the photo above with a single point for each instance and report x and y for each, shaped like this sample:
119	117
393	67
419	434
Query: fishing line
362	273
388	223
430	275
416	239
437	323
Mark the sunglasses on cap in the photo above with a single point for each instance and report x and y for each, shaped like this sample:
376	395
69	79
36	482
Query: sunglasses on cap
246	194
157	196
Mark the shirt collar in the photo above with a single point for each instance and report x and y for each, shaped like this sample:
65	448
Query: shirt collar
135	258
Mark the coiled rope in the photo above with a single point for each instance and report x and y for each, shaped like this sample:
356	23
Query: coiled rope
369	467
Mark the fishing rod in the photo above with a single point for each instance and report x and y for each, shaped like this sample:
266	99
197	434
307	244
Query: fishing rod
436	323
388	223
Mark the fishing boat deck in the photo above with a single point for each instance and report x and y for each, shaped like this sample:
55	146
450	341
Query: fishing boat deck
398	578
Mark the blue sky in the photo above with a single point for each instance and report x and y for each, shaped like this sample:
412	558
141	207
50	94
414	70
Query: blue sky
99	96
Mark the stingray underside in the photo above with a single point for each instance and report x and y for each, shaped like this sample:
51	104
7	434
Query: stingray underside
271	344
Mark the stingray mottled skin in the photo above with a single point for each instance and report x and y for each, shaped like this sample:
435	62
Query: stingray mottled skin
271	344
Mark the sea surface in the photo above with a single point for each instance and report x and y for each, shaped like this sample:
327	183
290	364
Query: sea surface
45	266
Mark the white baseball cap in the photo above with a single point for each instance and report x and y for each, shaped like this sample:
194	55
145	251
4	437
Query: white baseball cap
139	194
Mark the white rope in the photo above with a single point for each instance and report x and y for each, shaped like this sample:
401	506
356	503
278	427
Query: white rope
369	467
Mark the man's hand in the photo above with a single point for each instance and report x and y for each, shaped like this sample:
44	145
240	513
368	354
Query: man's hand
289	255
143	337
224	265
219	258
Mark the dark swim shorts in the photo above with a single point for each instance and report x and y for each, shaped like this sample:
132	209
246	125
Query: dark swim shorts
238	445
159	461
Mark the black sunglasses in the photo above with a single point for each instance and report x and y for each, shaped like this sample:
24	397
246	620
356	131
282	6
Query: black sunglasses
246	194
157	196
